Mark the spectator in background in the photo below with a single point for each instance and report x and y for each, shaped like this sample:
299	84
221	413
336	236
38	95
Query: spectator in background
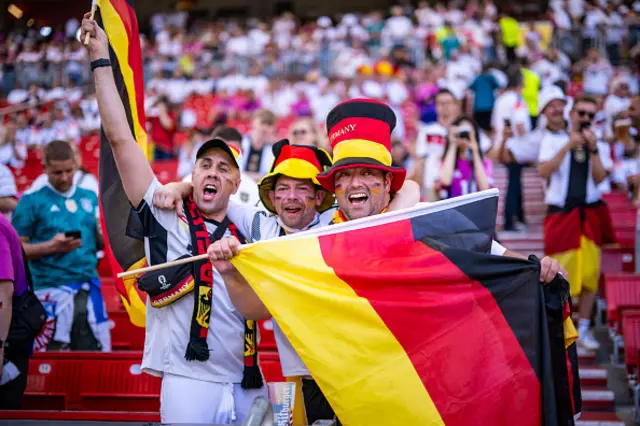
510	31
256	146
13	283
163	127
81	177
59	228
12	152
511	121
618	100
8	191
572	166
483	91
463	169
305	132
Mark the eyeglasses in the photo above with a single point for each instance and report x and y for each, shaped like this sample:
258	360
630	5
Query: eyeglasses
300	132
590	115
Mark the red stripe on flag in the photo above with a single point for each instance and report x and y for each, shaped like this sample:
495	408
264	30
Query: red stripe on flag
561	232
128	17
451	327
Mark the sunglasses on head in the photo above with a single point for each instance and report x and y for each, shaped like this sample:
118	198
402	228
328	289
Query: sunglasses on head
586	114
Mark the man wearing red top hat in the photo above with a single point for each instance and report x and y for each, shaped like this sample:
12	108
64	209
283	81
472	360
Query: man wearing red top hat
292	193
364	182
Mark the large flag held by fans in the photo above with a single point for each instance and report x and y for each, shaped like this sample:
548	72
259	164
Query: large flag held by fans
403	318
118	19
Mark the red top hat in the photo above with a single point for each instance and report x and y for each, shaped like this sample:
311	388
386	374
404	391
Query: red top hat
360	136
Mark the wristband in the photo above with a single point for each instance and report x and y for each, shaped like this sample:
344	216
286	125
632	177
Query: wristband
102	62
594	151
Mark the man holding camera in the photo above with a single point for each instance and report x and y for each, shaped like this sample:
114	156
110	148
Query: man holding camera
571	164
60	231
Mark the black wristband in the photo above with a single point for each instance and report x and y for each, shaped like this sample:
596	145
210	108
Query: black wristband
594	151
102	62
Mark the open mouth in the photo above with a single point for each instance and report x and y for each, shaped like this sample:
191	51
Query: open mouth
293	209
210	192
358	198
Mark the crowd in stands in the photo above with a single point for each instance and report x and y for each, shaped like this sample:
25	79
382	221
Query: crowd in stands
468	83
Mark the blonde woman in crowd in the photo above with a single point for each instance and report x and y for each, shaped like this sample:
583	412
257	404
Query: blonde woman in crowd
305	132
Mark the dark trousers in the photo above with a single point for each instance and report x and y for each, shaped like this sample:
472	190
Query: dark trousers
483	118
316	405
511	53
513	203
12	392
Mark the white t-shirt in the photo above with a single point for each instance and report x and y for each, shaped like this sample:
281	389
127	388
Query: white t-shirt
510	106
557	186
168	329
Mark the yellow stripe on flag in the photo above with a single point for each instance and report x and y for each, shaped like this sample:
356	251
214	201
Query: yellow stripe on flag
135	307
120	44
379	385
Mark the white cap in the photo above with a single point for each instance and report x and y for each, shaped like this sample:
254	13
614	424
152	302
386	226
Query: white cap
549	94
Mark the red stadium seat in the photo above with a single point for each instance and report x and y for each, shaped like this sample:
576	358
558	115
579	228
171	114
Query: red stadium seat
125	335
631	327
165	170
96	381
622	293
85	416
112	299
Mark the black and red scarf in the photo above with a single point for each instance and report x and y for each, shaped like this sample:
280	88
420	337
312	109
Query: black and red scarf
198	349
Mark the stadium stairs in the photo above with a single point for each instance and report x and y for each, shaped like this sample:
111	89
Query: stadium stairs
599	399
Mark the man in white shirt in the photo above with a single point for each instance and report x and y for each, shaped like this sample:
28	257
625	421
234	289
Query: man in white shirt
571	164
194	343
8	192
511	111
247	193
257	157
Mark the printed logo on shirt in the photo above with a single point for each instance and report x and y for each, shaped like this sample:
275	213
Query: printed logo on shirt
435	139
54	208
244	197
71	206
87	205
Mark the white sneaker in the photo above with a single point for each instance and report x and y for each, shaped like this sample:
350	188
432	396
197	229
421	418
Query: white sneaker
588	342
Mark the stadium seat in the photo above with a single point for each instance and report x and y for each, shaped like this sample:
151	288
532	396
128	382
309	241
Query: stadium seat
84	416
110	294
631	327
125	335
165	170
622	293
97	381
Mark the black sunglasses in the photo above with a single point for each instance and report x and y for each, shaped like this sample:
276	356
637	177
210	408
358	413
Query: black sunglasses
300	132
586	114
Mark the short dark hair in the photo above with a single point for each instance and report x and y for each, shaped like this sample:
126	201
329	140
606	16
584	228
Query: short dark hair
227	134
445	92
514	78
58	150
584	99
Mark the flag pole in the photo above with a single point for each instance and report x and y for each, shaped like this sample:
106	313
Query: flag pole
93	12
162	265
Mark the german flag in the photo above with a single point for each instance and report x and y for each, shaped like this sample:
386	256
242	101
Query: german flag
118	20
405	319
574	237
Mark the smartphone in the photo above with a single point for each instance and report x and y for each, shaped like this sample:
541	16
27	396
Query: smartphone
584	126
73	234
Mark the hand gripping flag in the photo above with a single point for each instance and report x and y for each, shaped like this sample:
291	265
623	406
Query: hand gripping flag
118	19
404	319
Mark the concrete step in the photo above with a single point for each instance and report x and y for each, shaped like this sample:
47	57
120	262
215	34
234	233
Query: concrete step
586	357
593	377
599	419
597	399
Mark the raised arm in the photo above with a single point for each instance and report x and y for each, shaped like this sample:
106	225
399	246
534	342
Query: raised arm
408	196
132	164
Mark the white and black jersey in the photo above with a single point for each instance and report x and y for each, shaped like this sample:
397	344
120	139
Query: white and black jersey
167	238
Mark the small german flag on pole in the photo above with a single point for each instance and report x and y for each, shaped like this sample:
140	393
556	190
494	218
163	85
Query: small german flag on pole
118	19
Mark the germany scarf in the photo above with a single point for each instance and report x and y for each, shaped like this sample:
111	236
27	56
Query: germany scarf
198	349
